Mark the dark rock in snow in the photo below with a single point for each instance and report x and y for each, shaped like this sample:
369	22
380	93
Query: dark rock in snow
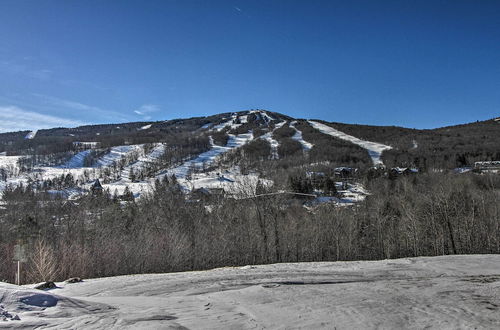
73	280
45	286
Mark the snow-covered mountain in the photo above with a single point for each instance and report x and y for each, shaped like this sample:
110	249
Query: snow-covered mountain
228	151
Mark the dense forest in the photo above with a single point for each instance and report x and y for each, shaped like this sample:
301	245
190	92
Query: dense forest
101	235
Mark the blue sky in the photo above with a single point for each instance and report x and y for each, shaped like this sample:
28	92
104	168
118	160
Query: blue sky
417	64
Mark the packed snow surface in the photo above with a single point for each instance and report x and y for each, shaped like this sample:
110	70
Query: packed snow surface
208	157
232	122
186	172
415	144
273	143
74	166
448	292
374	149
298	137
77	160
116	153
8	161
262	115
31	135
146	127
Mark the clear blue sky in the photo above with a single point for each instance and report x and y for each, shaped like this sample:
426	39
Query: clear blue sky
417	64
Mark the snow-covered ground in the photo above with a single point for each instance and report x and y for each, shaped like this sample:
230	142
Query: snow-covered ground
31	135
152	156
448	292
262	115
348	194
231	180
186	173
9	162
415	144
77	160
116	153
273	143
136	187
298	137
207	158
231	122
374	149
8	165
204	160
73	166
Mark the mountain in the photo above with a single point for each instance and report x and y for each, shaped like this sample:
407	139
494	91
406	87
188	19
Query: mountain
228	150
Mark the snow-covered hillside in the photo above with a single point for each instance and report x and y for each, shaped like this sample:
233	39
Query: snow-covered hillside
298	137
137	165
374	149
272	142
448	292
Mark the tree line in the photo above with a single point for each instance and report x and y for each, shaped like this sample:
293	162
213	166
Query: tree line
101	235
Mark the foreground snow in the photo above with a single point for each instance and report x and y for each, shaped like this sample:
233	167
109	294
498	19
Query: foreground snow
450	292
374	149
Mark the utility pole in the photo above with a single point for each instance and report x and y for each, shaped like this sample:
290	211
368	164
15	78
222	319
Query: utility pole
18	281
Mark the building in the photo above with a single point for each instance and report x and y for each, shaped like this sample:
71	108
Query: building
86	145
96	188
493	165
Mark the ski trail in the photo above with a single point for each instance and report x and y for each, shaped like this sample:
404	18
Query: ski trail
116	153
77	160
207	158
272	142
374	149
231	122
155	153
298	137
31	135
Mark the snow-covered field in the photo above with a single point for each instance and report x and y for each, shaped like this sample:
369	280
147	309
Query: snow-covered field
449	292
374	149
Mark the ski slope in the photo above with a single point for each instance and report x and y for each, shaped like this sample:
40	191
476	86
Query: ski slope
447	292
207	158
306	146
184	172
74	166
374	149
31	135
273	143
116	153
152	156
231	122
77	160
